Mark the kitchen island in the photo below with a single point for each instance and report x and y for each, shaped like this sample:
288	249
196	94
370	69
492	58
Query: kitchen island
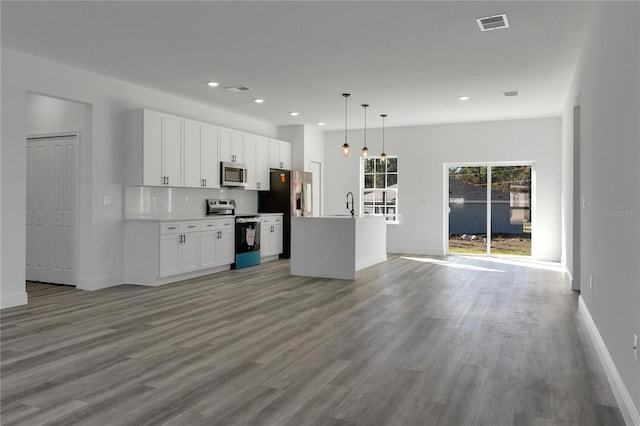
336	246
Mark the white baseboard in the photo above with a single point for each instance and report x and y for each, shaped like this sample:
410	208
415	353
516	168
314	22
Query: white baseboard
11	300
100	283
625	403
415	250
365	263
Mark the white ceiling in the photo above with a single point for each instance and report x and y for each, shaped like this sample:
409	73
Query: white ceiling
410	60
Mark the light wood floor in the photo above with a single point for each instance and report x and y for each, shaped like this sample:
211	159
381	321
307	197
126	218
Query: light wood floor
408	343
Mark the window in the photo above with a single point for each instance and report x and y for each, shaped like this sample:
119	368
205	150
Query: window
380	187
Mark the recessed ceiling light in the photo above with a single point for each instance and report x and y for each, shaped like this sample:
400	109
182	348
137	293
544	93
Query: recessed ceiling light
463	98
213	84
321	123
258	101
293	113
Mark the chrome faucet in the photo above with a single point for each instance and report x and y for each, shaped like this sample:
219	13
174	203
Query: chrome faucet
352	212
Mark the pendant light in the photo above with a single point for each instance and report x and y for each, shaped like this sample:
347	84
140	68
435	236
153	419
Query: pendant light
383	156
345	147
365	150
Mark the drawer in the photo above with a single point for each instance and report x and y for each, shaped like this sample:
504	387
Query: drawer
208	225
190	226
226	224
170	228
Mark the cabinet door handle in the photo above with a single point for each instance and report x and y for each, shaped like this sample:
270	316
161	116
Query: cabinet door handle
205	182
191	226
172	227
167	180
258	185
281	165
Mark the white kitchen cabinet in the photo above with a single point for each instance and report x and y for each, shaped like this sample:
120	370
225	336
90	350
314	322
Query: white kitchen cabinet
201	165
179	248
263	177
208	236
231	146
271	236
160	252
217	243
279	154
250	159
155	149
225	244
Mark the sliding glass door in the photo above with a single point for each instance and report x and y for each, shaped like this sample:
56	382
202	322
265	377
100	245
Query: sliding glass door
490	209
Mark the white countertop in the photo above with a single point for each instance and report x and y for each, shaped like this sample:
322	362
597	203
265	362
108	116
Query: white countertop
269	214
345	216
176	218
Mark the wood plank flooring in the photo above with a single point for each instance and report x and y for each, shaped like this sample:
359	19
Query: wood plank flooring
411	342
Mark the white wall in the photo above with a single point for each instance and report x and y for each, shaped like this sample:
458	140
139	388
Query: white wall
423	150
295	136
109	99
156	200
307	143
607	85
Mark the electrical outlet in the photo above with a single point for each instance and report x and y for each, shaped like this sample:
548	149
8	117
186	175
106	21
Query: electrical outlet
635	346
591	281
106	200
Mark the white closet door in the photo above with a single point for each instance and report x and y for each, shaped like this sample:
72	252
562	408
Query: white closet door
52	205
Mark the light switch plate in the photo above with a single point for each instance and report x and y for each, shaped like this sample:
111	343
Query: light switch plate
106	200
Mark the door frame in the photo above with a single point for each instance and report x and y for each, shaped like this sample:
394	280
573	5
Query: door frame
488	164
76	237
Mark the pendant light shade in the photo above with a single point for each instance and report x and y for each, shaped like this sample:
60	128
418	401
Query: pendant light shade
365	150
383	156
346	149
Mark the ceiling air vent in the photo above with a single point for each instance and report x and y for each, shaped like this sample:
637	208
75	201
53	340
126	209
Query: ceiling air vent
494	22
511	93
236	89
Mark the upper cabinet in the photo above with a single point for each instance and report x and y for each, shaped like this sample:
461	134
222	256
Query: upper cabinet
250	159
256	159
262	164
201	165
231	146
155	148
167	150
280	155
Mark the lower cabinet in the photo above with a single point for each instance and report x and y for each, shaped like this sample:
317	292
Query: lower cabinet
179	252
161	252
216	243
271	236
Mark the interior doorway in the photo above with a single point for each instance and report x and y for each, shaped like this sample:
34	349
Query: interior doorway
489	208
52	208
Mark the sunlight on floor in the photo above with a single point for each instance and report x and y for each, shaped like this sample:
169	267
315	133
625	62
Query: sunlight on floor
526	262
451	264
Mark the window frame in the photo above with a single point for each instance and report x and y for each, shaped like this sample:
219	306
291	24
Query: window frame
383	190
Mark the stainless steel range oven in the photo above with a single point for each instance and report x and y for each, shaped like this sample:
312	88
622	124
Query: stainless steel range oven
247	241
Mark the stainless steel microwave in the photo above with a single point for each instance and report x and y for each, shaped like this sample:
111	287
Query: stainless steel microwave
233	174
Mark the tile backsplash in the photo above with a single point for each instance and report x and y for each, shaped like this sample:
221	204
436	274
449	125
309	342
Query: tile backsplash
151	200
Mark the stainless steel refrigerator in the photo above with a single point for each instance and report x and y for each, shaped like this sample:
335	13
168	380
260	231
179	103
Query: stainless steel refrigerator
290	192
